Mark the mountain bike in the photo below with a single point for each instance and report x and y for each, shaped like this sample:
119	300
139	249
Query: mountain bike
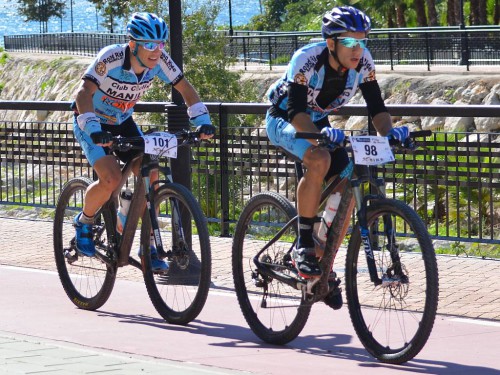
391	274
165	208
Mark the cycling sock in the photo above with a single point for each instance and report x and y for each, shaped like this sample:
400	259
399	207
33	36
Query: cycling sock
305	232
152	240
86	219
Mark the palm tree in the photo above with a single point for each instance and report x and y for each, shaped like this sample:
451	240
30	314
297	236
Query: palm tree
431	9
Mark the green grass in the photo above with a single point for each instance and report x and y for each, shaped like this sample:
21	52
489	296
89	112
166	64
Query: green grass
3	58
470	250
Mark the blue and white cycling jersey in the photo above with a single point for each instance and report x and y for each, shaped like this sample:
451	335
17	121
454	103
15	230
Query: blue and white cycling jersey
307	67
119	88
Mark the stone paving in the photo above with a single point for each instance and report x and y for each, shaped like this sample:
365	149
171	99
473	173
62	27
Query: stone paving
469	287
21	354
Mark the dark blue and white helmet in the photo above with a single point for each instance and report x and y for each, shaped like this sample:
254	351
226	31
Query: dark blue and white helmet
344	19
147	27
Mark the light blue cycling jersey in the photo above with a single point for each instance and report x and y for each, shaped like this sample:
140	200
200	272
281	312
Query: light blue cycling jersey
119	87
307	67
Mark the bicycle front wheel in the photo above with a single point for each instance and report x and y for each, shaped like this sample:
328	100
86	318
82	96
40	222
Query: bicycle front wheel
393	317
180	293
87	281
274	310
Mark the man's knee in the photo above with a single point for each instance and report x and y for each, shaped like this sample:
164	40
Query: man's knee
317	161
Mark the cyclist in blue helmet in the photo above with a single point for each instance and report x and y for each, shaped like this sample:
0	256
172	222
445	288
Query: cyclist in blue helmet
111	86
320	78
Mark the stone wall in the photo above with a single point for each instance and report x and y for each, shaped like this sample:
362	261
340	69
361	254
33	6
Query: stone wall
55	78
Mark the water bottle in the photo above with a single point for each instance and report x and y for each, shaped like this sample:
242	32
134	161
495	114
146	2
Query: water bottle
125	198
332	204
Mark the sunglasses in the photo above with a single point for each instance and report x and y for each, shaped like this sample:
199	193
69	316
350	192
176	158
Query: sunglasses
152	46
353	42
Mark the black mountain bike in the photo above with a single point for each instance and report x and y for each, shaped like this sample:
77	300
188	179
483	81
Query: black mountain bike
391	275
164	208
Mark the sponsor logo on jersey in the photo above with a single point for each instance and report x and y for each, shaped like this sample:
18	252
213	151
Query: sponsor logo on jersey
169	63
123	106
125	91
310	63
100	68
114	57
300	79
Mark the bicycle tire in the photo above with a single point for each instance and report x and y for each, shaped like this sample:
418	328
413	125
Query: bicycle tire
87	281
178	295
280	317
393	322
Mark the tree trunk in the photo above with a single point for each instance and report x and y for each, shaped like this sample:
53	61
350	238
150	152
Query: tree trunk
431	9
474	12
450	15
483	20
496	15
390	19
400	15
420	10
458	21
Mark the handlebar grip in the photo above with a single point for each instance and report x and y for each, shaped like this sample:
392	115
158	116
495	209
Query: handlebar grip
420	134
308	135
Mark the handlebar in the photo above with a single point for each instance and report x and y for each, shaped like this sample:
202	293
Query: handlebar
123	144
323	139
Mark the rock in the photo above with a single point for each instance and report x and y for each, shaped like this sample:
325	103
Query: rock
434	123
459	124
485	124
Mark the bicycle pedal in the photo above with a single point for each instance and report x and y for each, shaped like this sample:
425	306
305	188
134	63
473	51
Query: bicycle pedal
71	258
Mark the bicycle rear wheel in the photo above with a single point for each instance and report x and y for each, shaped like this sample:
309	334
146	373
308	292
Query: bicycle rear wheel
87	281
274	310
180	293
394	319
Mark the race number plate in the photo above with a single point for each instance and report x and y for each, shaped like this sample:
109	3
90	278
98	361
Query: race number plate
161	143
371	150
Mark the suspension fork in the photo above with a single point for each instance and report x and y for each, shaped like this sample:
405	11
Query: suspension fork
361	206
150	202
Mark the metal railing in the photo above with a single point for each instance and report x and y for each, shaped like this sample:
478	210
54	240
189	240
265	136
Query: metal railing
411	46
453	181
428	47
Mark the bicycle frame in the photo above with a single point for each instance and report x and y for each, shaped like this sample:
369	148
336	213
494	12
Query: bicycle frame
143	197
353	185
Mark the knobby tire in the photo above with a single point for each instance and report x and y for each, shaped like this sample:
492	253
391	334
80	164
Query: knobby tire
88	282
279	318
180	294
393	323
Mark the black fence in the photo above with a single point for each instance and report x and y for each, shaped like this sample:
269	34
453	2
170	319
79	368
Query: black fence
453	181
427	46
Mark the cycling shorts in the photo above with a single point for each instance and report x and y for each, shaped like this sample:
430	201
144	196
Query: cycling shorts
93	152
282	133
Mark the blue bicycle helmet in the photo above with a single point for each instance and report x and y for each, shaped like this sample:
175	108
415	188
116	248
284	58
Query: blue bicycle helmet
344	19
147	27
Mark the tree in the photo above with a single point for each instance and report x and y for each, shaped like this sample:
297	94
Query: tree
41	11
112	11
433	17
420	10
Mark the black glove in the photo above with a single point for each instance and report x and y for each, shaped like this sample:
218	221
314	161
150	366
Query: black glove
207	129
101	137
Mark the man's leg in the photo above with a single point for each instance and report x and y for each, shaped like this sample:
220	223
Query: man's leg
317	162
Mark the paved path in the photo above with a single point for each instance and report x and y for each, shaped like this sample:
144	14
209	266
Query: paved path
41	332
469	287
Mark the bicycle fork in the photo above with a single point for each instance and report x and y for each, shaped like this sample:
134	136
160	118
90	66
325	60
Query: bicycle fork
393	275
361	206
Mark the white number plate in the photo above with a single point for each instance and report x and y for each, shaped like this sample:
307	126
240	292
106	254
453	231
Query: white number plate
160	143
371	150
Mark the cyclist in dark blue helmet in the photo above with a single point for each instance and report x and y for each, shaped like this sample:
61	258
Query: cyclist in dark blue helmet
320	78
104	104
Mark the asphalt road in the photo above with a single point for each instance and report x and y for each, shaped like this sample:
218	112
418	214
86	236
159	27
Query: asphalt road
37	319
